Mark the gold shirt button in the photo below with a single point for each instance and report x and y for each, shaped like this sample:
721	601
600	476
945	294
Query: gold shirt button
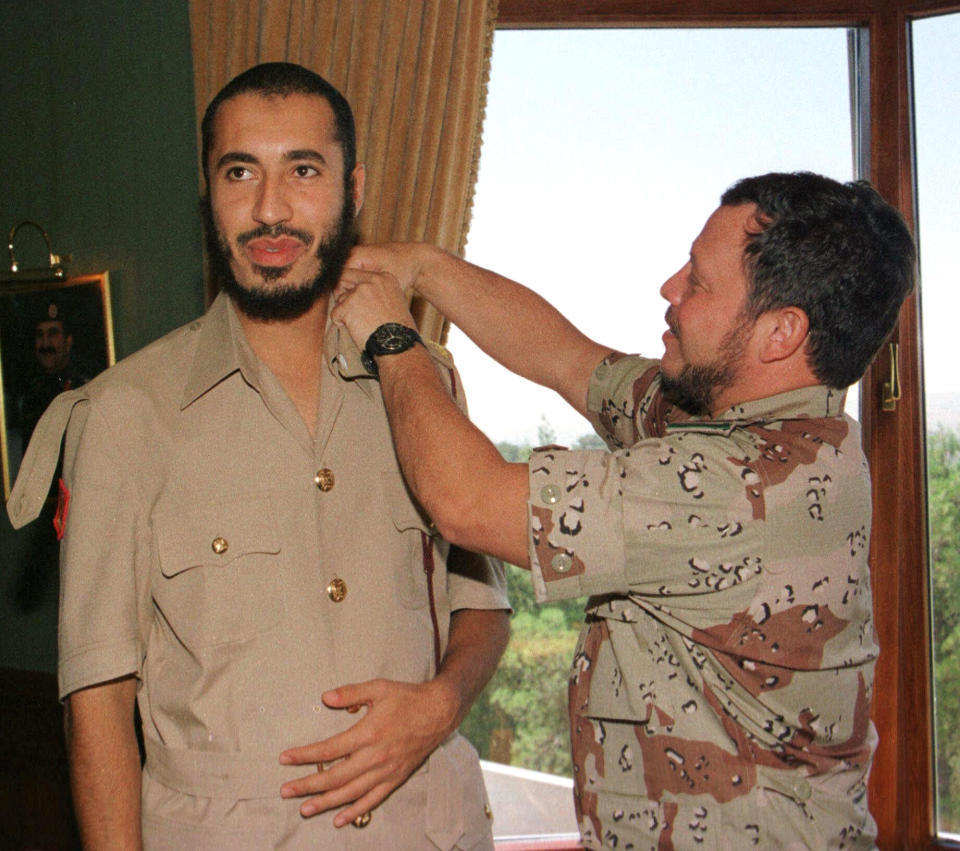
219	545
488	812
362	821
337	589
324	479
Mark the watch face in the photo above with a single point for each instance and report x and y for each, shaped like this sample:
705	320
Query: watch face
389	339
392	338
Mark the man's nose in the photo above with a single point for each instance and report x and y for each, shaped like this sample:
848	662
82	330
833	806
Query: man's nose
272	205
673	288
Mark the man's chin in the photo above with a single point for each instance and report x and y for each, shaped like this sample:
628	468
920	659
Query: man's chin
669	368
276	301
253	277
272	274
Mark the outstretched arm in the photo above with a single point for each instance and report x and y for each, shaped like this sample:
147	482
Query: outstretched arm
477	500
511	323
403	724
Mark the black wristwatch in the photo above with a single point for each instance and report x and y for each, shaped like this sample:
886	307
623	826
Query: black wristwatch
391	338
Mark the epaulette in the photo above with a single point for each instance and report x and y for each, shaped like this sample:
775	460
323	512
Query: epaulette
41	458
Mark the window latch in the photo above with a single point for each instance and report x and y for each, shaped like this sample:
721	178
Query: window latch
891	388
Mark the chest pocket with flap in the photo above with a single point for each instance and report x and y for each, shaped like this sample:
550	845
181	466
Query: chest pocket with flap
219	576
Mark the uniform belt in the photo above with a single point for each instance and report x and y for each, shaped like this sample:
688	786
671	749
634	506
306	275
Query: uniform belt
210	774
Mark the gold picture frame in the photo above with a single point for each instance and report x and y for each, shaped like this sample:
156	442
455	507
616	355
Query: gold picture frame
54	335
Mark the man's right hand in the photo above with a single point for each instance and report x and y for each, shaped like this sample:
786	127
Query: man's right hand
508	321
401	726
403	260
366	299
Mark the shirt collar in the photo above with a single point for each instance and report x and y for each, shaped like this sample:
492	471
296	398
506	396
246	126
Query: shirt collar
222	349
343	359
814	402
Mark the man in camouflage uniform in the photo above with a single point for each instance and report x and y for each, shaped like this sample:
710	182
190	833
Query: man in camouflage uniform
720	690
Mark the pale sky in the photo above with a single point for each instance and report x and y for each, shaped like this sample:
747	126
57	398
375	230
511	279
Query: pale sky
936	69
604	151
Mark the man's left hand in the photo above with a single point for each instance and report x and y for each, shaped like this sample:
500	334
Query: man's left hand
365	299
403	724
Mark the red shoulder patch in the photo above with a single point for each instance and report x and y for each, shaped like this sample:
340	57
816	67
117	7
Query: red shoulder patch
63	506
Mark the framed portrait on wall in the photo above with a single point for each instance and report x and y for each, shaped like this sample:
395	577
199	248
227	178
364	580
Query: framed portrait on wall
54	336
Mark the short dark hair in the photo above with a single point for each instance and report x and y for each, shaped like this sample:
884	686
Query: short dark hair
285	78
836	250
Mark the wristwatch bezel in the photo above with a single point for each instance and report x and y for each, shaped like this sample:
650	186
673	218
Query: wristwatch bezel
391	338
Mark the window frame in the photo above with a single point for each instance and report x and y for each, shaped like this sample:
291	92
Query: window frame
902	773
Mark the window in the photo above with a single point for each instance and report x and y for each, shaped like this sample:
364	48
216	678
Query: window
604	152
936	106
901	780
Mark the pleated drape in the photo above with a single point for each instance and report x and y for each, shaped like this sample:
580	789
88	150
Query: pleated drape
415	74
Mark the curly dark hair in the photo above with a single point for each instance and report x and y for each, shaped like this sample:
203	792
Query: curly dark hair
836	250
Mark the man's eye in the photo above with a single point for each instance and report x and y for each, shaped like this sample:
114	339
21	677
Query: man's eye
305	171
238	172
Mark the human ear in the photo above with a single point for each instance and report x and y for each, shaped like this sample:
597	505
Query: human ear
358	182
784	331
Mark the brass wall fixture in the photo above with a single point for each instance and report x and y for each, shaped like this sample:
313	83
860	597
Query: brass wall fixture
53	272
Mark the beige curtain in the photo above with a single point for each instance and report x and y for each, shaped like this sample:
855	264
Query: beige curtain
415	74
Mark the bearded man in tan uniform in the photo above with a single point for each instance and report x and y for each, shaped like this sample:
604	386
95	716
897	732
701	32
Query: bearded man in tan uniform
720	691
240	554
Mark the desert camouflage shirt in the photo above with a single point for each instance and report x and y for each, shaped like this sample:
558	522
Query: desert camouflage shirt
720	691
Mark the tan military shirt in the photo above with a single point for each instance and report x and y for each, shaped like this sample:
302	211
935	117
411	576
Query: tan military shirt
721	687
240	568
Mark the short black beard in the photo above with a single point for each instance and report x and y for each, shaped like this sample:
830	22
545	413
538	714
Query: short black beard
695	388
287	302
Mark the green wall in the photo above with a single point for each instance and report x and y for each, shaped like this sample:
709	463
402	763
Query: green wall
97	144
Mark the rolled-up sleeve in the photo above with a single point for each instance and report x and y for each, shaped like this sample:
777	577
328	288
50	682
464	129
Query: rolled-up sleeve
665	518
576	541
